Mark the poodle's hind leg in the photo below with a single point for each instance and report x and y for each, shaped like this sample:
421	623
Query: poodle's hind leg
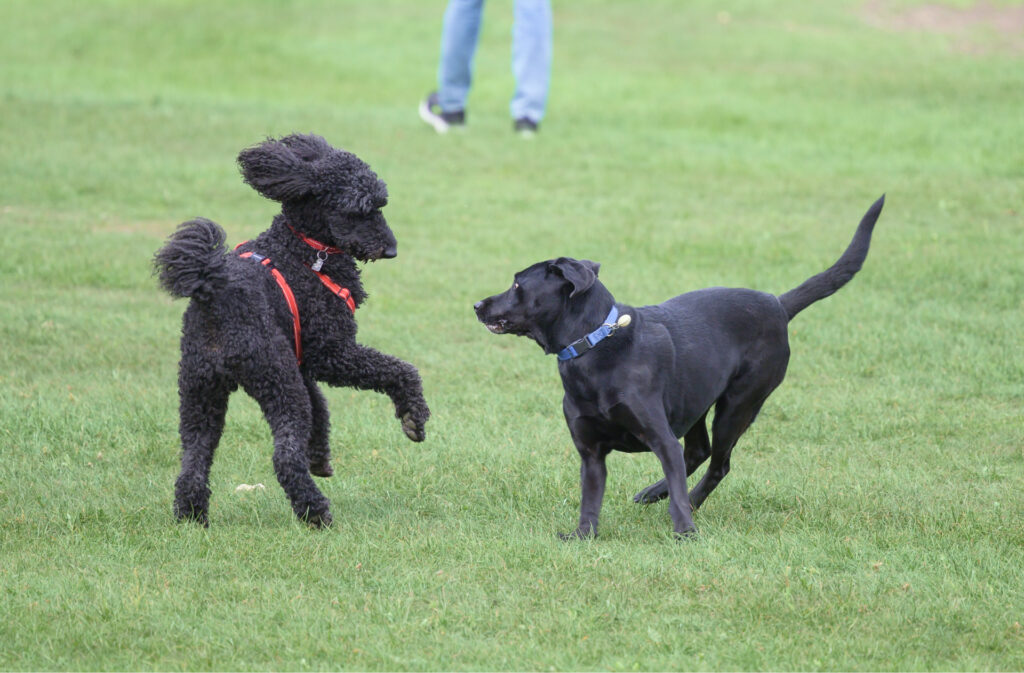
319	436
285	402
203	404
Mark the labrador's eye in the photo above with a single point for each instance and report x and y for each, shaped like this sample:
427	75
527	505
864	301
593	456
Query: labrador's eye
515	286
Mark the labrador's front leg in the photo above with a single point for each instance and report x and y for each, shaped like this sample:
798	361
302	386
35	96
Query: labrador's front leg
593	475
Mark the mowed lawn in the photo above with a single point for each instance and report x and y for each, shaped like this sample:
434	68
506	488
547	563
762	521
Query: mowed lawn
873	516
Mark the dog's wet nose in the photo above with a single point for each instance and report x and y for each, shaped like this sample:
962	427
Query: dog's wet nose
476	306
390	252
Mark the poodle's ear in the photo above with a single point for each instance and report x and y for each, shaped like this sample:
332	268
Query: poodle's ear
580	273
276	170
308	146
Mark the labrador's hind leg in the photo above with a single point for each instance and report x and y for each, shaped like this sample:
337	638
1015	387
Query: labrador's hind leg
696	449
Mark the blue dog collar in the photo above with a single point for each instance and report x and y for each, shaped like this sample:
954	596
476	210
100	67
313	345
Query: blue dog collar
581	346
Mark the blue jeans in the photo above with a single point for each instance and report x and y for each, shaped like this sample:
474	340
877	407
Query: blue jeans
531	55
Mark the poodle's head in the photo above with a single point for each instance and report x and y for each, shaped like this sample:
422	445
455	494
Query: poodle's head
326	193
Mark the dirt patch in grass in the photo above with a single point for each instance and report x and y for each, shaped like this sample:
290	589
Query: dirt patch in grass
980	27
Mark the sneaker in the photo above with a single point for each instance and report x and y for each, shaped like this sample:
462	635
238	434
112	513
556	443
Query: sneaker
525	127
430	112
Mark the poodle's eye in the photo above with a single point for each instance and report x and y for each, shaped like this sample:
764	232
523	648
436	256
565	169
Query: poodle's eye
515	286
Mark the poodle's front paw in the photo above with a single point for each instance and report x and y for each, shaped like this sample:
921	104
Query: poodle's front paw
413	428
414	418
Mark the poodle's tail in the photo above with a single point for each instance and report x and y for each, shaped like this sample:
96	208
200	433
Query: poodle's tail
193	262
840	273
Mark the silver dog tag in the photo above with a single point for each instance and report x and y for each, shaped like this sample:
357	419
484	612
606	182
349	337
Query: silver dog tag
319	263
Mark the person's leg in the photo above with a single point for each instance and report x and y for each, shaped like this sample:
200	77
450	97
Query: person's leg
531	58
459	37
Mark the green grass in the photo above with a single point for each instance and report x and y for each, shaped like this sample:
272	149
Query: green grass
872	520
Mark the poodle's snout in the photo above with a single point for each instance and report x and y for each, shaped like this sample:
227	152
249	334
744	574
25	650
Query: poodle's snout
477	305
390	252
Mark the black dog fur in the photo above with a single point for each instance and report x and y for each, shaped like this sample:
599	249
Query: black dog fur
654	380
238	329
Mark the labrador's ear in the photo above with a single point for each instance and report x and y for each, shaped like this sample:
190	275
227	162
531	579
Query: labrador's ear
580	273
278	169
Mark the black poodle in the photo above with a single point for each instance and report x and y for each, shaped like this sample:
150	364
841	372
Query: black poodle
278	314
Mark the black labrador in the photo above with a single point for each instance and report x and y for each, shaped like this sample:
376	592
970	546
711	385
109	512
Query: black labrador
638	378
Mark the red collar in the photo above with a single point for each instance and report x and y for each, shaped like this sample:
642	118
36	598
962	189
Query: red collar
315	244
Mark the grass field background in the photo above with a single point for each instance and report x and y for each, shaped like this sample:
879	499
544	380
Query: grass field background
873	517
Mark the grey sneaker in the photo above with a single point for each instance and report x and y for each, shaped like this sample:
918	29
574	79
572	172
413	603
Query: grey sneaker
430	112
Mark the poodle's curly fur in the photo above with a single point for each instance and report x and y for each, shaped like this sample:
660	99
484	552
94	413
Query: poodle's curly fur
238	328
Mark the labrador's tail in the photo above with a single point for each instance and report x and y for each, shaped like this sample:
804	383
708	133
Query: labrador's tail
840	273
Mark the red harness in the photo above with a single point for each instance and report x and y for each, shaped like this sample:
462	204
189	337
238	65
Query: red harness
337	290
289	297
286	290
